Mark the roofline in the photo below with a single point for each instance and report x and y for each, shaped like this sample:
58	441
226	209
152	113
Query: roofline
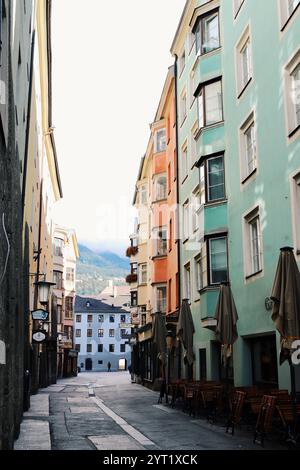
166	88
138	178
179	26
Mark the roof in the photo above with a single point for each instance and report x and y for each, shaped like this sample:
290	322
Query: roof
119	290
106	304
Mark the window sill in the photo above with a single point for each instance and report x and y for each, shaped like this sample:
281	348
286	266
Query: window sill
238	10
183	121
184	179
244	88
296	128
211	126
203	55
209	288
159	200
249	176
217	202
290	18
185	241
251	276
159	256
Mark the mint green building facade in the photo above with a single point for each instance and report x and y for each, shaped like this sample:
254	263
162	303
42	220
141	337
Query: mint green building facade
238	82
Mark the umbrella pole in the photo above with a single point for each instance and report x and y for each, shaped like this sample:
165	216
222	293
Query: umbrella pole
293	393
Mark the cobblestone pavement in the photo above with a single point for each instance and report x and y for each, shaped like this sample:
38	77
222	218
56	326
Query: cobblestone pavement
105	411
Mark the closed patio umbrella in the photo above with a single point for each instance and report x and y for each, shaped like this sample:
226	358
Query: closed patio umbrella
185	331
227	317
160	337
286	309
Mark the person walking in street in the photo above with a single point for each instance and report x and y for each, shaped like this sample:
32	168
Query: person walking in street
108	366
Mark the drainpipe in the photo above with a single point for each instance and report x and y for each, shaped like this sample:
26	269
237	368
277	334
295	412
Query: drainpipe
28	123
177	200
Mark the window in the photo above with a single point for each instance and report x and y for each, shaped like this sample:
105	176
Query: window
207	33
196	206
78	318
89	348
59	314
134	268
186	220
123	318
143	273
100	362
183	107
58	279
243	62
111	333
100	348
134	297
143	319
187	281
218	260
170	234
70	274
252	242
111	348
192	87
122	348
160	241
237	6
143	195
181	63
69	308
90	318
100	318
58	247
68	332
123	332
78	347
100	333
161	188
112	319
184	162
89	332
198	269
212	179
210	106
160	141
287	9
161	299
78	333
170	296
248	147
292	94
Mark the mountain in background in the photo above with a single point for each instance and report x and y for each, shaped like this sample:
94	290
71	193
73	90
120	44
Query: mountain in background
95	269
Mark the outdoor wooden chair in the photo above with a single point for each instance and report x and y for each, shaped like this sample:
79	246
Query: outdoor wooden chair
236	410
264	420
285	411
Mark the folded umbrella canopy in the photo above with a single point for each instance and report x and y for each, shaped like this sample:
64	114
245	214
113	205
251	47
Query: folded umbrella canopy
186	330
159	337
286	301
227	317
286	311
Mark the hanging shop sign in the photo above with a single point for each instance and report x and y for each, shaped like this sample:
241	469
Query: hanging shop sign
41	315
39	336
125	326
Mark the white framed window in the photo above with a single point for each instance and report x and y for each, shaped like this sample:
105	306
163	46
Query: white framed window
218	264
210	104
143	273
198	270
243	62
196	206
160	141
58	246
186	220
295	193
160	187
182	62
187	281
287	10
252	243
160	294
292	94
160	241
248	147
212	179
143	195
192	86
193	146
183	107
184	162
70	275
237	4
207	32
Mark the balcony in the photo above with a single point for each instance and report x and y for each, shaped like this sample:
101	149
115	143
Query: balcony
131	278
131	251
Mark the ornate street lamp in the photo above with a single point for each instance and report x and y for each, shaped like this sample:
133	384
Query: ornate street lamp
44	291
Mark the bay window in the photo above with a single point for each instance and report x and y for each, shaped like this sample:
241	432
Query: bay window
160	141
161	298
210	103
160	240
207	32
218	264
212	179
161	187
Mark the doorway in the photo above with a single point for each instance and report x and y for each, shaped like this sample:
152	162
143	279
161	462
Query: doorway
88	364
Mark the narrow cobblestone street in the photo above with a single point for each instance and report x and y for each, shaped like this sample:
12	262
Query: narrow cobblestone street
104	411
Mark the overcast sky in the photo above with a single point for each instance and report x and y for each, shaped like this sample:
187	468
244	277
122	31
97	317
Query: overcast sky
110	60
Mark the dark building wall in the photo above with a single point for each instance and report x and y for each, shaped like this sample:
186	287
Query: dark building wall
12	301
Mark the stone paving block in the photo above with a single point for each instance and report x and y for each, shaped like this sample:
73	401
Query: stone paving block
34	435
115	442
39	405
83	409
72	444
